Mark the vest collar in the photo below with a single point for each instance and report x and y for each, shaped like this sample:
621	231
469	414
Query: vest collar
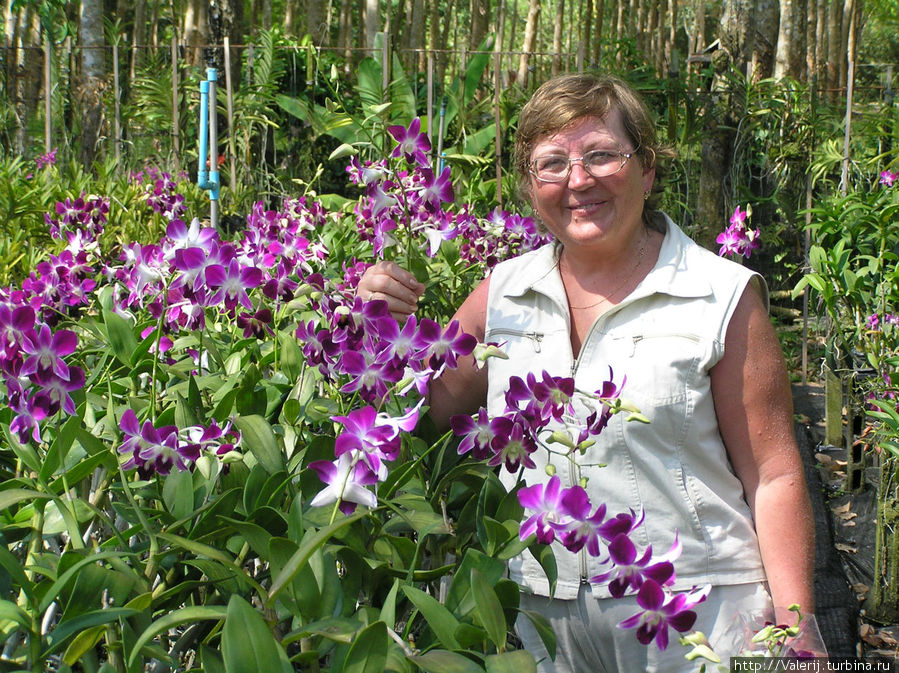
672	273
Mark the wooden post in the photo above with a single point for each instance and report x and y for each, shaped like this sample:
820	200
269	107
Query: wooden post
850	86
833	408
48	106
232	154
176	122
118	107
497	81
430	100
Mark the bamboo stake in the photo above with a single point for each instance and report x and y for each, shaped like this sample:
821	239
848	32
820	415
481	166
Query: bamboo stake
118	108
176	143
232	154
430	110
48	106
498	136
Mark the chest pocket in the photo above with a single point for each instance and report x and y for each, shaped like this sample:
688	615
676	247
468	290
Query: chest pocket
661	365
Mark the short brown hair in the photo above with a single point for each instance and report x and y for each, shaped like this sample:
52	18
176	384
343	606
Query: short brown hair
566	99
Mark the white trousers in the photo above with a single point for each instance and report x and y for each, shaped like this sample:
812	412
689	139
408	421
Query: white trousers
589	640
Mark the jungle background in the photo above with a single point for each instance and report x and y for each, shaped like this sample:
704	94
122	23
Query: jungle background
786	107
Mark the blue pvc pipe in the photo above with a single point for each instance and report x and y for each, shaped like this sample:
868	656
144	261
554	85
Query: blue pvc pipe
202	173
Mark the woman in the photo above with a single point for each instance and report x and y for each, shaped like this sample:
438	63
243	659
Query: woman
717	467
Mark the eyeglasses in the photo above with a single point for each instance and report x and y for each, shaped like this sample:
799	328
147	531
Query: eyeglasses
598	163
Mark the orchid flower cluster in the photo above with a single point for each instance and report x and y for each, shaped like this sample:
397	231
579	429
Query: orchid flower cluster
405	195
534	406
739	238
362	350
887	178
160	192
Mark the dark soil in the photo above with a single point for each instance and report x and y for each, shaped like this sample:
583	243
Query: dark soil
844	545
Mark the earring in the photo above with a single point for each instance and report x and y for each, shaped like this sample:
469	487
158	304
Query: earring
646	195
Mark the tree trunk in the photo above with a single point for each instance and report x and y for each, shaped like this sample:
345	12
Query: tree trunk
315	20
597	43
417	33
501	78
372	24
845	31
764	38
530	40
835	52
93	73
344	33
138	36
619	32
194	30
672	34
821	41
557	37
720	119
698	43
786	42
480	22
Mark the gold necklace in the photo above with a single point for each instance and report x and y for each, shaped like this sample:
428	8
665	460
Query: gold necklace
621	285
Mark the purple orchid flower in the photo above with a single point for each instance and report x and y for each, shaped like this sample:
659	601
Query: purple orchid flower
346	479
153	449
630	572
887	178
513	444
662	611
412	143
373	441
477	434
444	347
233	283
46	351
546	503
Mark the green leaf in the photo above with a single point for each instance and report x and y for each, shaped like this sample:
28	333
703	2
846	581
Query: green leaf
178	493
544	630
121	337
12	612
368	653
547	560
16	495
489	609
248	645
310	542
174	619
441	620
519	661
64	630
343	150
83	643
443	661
249	401
56	455
258	438
459	599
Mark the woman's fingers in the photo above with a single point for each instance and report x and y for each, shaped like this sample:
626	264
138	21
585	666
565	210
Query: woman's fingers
391	283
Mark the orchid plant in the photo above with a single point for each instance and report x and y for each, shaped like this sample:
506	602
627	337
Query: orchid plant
216	457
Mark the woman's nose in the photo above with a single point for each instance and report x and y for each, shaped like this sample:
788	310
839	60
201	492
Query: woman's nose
579	175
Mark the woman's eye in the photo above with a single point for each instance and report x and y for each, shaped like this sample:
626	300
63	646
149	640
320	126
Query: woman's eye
599	157
552	164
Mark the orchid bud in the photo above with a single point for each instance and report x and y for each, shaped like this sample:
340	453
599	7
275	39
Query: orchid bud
550	470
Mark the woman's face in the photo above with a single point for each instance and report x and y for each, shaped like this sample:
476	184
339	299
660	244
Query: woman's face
584	211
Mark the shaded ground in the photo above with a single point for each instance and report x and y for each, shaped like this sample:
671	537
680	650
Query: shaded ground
844	547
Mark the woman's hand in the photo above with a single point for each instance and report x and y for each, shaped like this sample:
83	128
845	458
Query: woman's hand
390	282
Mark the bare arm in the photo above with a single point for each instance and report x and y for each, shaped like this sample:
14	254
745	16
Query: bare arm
754	404
463	390
457	391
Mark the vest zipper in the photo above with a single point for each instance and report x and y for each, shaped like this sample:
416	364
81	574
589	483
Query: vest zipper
535	337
